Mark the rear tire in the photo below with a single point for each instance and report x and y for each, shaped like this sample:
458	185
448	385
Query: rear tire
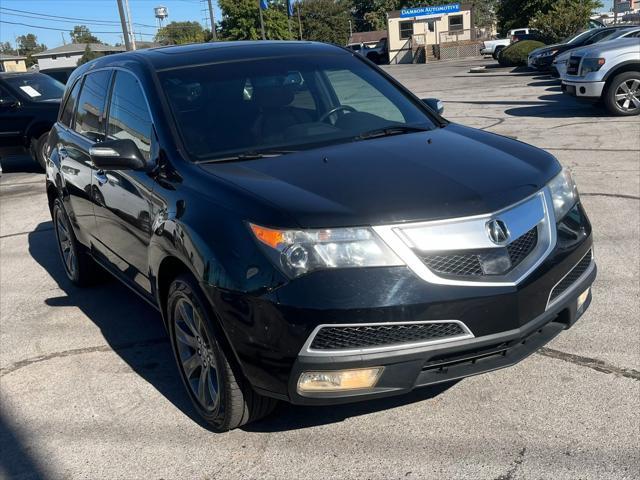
496	52
219	393
622	95
78	264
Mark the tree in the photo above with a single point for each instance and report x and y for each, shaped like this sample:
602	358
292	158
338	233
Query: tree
82	34
28	45
7	49
88	55
484	13
178	33
565	18
241	20
519	13
325	20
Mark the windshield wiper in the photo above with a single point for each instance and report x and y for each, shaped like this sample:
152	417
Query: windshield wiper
250	155
389	131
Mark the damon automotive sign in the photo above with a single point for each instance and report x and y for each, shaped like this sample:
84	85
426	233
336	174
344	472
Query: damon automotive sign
429	11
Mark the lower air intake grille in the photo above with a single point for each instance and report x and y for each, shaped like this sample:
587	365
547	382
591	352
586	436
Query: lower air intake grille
338	338
571	277
463	264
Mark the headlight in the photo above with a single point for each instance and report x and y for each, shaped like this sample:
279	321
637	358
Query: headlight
591	65
564	193
303	251
549	53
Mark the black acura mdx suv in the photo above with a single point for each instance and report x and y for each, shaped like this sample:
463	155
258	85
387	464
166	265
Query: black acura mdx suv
310	230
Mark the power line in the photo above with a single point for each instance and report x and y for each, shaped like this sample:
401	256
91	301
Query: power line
58	18
63	29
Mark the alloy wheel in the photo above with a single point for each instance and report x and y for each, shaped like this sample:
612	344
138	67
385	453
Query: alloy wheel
627	95
197	359
65	244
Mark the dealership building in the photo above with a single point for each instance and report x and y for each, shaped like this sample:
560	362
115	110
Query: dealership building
420	33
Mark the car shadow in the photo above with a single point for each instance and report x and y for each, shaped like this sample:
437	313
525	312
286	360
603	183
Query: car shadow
131	327
557	105
17	459
295	417
544	83
18	163
134	331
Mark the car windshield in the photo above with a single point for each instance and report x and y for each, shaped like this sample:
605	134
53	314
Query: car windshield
579	37
36	87
617	34
269	106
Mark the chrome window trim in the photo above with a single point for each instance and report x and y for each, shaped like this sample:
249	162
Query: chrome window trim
395	238
572	288
307	351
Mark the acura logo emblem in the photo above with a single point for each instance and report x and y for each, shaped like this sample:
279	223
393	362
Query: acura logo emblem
498	232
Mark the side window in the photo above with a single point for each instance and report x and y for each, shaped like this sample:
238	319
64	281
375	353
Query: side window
356	92
128	113
90	110
67	114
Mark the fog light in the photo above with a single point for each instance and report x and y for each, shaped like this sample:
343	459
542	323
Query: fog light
339	380
583	298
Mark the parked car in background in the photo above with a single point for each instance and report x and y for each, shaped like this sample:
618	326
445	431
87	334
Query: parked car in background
493	47
559	65
29	104
61	73
607	71
542	58
310	230
379	53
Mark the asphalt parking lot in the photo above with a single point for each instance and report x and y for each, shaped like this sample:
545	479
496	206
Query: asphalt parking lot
89	388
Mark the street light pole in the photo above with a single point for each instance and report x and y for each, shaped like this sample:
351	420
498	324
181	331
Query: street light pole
130	20
261	20
213	21
123	21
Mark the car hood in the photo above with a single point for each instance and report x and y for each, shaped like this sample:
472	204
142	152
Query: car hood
449	172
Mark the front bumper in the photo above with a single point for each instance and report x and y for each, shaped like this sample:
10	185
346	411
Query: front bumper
587	90
406	370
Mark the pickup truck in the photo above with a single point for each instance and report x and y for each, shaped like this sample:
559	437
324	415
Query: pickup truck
493	47
608	71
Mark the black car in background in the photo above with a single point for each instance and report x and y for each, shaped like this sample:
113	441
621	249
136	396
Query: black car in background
29	104
61	74
542	58
309	230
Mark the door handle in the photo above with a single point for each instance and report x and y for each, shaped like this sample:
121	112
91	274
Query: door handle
62	152
100	177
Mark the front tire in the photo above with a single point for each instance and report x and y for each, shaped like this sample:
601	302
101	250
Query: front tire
622	96
220	395
38	146
78	265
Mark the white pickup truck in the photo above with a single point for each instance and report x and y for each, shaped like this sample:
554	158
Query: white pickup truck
493	47
609	71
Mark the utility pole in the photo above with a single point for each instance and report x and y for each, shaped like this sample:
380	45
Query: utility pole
125	30
130	20
261	20
213	21
64	42
299	21
350	30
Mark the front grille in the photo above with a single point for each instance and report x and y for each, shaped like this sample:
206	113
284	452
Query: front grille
573	65
571	277
367	336
475	264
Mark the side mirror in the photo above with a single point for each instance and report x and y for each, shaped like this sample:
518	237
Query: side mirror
434	104
9	103
117	155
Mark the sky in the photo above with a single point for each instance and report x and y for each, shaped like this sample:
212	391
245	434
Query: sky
105	15
103	12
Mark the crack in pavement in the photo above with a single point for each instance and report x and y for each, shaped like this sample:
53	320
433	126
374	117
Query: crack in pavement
611	195
515	466
8	235
79	351
593	363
